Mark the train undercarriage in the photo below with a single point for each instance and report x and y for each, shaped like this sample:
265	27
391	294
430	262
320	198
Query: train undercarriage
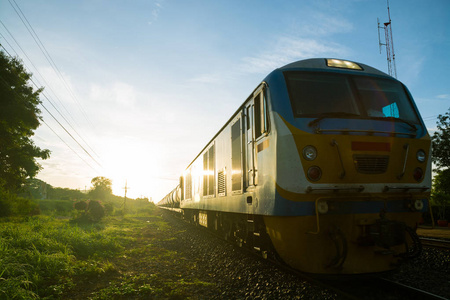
251	232
244	230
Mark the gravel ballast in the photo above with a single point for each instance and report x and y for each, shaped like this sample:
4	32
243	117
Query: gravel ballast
235	274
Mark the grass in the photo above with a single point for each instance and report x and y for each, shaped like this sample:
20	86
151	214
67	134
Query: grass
40	255
44	257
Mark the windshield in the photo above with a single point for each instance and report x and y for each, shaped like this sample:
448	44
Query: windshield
336	95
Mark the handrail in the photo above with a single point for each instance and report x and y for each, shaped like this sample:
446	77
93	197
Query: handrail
406	147
334	143
317	219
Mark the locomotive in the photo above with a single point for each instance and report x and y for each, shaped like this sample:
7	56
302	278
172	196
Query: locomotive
326	166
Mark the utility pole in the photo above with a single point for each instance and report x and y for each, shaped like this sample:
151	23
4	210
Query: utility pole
389	43
126	188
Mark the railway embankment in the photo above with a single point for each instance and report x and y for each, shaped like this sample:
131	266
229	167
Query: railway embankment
175	260
236	275
159	256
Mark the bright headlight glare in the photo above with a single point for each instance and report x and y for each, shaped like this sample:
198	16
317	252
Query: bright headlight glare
309	153
421	156
343	64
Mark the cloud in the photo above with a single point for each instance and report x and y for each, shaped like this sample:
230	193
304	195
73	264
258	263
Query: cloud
154	15
320	24
410	68
444	96
289	49
206	78
119	92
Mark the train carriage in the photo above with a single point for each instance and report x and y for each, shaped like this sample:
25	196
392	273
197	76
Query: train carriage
325	166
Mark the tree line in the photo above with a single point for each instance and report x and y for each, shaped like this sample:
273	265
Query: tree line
20	116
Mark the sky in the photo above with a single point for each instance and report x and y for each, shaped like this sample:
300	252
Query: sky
143	85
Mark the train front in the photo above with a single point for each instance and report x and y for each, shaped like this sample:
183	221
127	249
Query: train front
353	168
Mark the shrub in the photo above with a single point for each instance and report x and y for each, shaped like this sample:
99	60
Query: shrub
12	205
96	210
80	205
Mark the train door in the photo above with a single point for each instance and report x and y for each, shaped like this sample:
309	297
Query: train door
251	171
256	127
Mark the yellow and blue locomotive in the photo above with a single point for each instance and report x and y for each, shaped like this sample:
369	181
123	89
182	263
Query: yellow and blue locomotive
325	166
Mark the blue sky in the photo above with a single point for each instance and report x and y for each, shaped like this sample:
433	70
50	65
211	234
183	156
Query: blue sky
150	82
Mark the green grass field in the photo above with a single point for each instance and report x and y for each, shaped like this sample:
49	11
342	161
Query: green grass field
47	257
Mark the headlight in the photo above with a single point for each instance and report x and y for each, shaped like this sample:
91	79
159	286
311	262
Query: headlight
322	207
418	174
314	173
309	153
418	204
421	155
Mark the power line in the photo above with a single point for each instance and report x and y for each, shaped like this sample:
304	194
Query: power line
62	126
47	55
47	85
70	147
430	118
37	70
20	96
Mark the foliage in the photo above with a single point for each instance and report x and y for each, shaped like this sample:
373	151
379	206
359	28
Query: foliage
96	210
44	258
19	117
101	189
80	205
89	212
441	142
13	205
64	193
55	207
41	256
440	193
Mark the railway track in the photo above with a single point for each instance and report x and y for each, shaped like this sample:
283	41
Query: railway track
378	288
351	287
435	243
365	287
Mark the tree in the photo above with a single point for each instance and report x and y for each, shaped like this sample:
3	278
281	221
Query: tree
441	157
440	194
101	188
441	142
19	117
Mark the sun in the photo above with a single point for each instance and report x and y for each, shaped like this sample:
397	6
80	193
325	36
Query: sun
141	169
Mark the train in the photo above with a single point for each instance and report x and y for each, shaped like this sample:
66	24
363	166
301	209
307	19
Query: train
325	167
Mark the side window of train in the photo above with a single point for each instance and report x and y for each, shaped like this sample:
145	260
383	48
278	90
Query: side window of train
208	172
236	156
261	125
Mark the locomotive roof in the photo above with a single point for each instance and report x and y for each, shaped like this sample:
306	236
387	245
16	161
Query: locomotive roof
321	64
312	64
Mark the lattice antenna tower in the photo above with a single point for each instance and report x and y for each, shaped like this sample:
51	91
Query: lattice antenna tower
389	43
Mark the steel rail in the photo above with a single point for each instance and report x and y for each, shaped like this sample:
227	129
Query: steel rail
435	243
354	287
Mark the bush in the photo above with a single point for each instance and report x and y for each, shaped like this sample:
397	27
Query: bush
12	205
80	205
96	210
5	208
